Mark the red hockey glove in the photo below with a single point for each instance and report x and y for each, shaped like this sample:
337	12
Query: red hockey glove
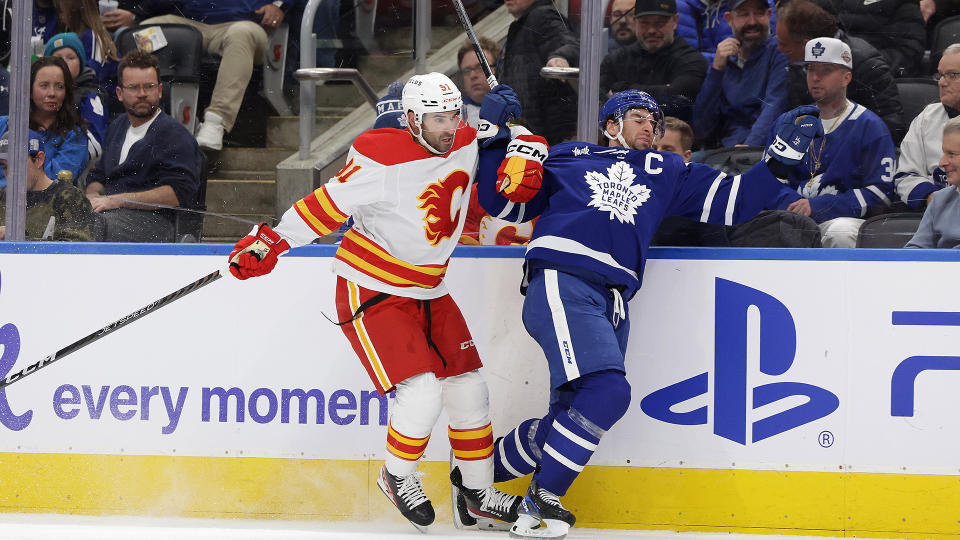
256	254
521	172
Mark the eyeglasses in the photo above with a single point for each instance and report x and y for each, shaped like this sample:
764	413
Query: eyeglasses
470	70
950	76
148	87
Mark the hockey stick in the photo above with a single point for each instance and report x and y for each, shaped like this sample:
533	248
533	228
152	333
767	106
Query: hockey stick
481	57
110	328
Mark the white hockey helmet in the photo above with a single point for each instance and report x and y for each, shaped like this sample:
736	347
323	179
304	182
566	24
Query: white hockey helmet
433	92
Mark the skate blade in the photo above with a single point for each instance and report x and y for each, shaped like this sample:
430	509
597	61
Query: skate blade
386	493
490	524
529	527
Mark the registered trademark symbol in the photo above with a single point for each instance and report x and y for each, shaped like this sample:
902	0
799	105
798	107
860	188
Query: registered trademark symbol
825	439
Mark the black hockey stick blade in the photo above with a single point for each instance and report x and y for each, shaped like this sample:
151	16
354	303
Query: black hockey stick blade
110	328
468	28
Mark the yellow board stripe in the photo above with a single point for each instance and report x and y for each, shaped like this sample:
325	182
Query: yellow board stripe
379	272
471	434
839	504
365	340
312	220
356	237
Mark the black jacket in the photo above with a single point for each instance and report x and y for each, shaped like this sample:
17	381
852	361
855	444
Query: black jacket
894	27
872	86
549	105
677	69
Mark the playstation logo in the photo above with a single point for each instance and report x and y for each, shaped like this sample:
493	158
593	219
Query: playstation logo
777	349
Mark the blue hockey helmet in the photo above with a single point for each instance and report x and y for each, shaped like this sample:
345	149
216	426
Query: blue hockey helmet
618	105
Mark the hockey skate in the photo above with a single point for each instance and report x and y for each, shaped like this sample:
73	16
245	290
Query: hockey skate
542	516
406	493
489	509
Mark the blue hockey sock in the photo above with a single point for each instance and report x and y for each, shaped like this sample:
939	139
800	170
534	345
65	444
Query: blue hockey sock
517	453
600	399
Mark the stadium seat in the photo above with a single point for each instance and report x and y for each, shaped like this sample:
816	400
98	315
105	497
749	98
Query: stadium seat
915	94
946	33
179	68
733	160
888	230
188	226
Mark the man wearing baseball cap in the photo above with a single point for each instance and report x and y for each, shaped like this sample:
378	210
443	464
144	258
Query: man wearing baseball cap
658	63
847	174
55	210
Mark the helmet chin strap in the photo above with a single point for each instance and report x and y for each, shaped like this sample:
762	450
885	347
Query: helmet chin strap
619	136
421	140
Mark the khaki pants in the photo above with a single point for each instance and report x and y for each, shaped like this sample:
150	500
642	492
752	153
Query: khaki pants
240	44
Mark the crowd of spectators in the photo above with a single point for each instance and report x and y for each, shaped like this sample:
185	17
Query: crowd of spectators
723	70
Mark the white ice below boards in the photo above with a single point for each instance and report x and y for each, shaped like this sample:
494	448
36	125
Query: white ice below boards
50	527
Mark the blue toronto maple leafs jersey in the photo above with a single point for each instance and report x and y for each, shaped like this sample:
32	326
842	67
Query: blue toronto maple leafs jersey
848	170
599	207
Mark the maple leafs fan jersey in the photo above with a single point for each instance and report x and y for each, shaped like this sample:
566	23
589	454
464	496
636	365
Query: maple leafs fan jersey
599	207
408	207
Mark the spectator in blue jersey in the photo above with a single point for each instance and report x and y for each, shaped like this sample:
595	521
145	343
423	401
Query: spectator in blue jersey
54	116
236	30
940	226
920	150
658	63
745	89
150	163
86	91
872	84
598	208
848	172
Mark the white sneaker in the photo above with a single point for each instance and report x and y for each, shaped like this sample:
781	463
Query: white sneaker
210	134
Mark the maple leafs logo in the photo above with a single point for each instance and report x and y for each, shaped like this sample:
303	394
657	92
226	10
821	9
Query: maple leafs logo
616	192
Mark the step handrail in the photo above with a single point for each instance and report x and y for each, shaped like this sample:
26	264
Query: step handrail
329	74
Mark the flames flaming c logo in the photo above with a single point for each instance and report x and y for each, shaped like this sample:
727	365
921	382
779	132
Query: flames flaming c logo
437	200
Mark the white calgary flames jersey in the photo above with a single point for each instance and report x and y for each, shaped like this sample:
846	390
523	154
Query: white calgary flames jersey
408	207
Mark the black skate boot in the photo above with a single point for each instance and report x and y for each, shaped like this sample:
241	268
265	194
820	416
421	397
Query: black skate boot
488	508
542	516
406	493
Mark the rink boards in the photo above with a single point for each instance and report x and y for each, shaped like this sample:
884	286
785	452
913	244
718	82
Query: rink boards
775	391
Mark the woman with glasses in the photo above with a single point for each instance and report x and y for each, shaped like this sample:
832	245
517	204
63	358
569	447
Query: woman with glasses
53	115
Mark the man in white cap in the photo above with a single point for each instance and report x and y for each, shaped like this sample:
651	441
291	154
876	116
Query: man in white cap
848	172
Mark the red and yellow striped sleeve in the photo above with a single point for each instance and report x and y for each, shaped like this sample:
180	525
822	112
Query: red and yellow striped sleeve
320	213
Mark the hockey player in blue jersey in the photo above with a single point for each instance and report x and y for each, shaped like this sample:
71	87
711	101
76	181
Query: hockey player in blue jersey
849	170
598	208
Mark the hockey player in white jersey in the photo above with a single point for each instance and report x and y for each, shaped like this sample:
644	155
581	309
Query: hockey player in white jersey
407	191
598	208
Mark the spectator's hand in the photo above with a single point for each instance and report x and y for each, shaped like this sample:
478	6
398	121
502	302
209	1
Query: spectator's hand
118	18
558	61
725	49
272	16
102	203
800	206
256	254
500	105
927	8
3	232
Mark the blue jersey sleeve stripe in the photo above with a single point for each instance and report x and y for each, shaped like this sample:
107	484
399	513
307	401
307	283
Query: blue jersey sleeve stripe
879	193
567	245
732	201
708	201
862	201
507	208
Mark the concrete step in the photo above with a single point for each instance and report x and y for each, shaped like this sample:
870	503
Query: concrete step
251	159
241	196
284	131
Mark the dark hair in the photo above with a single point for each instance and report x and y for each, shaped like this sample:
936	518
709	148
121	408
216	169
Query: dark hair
68	117
806	20
487	44
137	59
681	127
